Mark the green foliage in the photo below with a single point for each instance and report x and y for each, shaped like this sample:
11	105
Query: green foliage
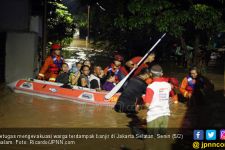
134	24
205	17
81	20
60	23
170	16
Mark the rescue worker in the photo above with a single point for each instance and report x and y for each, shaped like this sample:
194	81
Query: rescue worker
157	102
132	63
115	66
52	64
193	86
188	83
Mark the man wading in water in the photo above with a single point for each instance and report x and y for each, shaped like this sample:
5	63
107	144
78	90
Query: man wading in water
130	98
132	93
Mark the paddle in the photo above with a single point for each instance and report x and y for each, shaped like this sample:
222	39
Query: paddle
120	84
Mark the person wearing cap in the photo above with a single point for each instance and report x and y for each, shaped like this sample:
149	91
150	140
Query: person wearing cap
132	63
115	66
52	65
157	101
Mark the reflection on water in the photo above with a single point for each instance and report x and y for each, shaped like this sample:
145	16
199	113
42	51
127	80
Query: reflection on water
75	54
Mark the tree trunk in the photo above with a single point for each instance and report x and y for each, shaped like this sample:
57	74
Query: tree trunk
184	51
183	44
199	55
196	50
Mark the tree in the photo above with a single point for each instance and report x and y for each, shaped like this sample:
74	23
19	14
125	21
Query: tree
190	21
60	23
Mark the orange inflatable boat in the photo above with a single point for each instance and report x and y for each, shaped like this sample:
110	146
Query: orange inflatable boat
54	90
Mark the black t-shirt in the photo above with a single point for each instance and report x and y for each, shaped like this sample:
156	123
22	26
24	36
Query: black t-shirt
94	84
63	78
133	91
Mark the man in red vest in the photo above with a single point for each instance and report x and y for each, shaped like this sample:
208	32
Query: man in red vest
132	63
52	64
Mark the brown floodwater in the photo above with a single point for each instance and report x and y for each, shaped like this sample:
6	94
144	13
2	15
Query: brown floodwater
20	110
26	111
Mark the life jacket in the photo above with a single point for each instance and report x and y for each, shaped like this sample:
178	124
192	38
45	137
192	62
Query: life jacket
115	71
57	65
124	70
191	85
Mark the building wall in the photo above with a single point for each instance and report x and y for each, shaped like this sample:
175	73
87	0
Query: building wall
2	56
14	15
21	49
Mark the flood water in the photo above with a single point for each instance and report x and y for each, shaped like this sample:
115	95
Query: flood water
20	110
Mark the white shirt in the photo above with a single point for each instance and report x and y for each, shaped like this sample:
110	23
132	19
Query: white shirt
159	92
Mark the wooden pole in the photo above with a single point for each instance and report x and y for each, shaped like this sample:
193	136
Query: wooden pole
44	31
88	27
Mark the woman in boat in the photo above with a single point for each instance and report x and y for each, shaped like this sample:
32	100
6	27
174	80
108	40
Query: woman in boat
83	80
74	74
110	81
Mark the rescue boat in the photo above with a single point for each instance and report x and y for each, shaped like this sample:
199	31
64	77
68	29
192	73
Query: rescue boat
56	91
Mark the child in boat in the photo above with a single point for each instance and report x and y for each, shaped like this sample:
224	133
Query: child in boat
83	80
63	76
110	81
115	66
74	74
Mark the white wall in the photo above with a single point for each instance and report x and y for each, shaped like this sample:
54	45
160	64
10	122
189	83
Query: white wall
21	51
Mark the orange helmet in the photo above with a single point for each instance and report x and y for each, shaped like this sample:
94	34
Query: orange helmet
118	57
55	46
